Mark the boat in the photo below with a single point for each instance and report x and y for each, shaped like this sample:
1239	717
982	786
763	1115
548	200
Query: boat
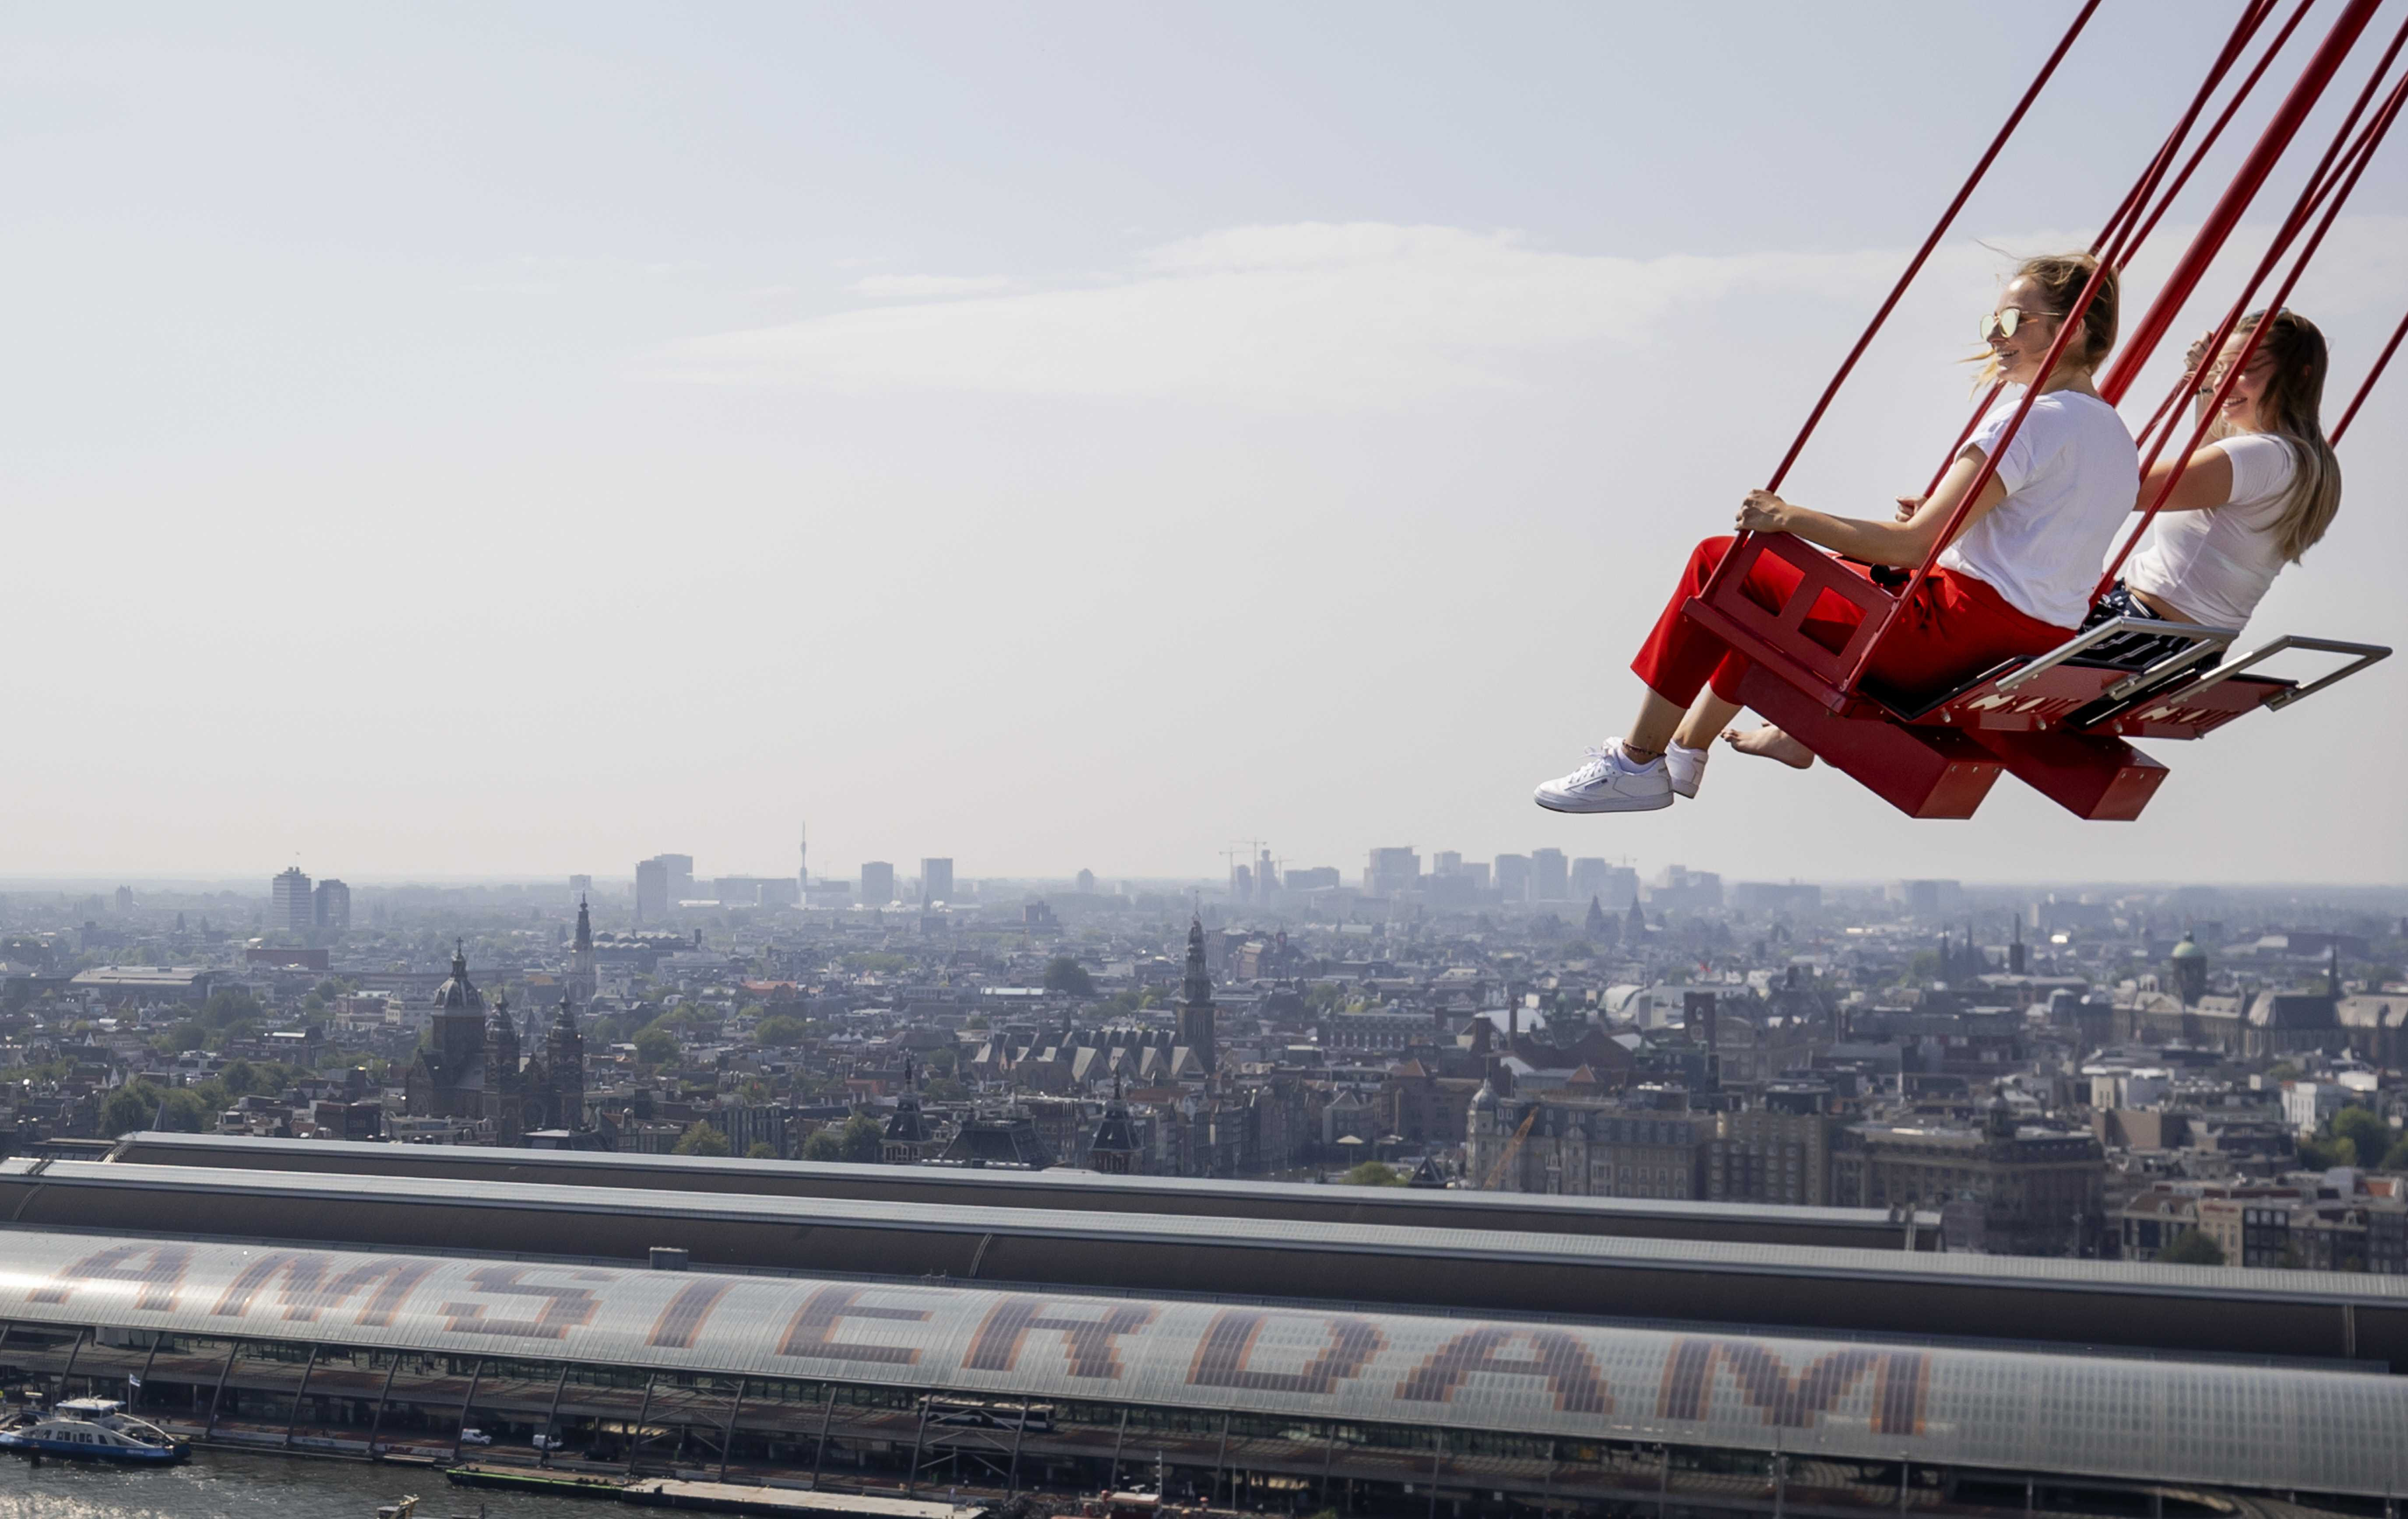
91	1429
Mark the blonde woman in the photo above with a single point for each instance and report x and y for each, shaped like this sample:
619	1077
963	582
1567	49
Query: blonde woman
2254	499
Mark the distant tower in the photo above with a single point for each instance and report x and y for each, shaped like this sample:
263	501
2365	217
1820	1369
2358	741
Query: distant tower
2189	967
564	1066
1599	924
803	862
1635	931
504	1080
1196	1029
582	982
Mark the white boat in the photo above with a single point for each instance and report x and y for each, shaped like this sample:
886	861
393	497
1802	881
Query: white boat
91	1429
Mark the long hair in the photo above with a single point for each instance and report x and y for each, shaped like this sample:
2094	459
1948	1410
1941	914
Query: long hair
2288	406
2060	277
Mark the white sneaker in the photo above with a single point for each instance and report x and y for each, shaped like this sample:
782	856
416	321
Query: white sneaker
1687	766
1609	782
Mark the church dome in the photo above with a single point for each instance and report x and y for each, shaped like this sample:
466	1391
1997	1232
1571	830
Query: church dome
1484	1100
459	994
2188	949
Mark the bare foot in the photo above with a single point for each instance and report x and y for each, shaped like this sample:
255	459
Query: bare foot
1770	743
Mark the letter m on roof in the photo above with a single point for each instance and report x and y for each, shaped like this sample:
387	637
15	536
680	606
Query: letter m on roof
1764	1381
310	1286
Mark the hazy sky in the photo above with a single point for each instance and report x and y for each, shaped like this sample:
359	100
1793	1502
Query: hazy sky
466	439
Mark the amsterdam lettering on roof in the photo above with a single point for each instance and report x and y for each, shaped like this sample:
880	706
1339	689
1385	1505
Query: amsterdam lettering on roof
1564	1379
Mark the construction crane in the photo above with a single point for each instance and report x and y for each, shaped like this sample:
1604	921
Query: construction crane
1513	1148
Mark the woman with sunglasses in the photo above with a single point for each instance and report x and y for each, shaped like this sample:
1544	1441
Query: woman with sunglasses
2255	498
2015	581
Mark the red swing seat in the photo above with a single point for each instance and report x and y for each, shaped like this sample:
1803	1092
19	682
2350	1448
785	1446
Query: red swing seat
2058	721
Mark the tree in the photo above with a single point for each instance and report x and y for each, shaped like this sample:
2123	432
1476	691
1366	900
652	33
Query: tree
2323	1155
1372	1173
2367	1133
863	1139
140	1105
228	1005
780	1031
762	1149
2192	1247
700	1139
1069	977
655	1046
824	1145
2396	1159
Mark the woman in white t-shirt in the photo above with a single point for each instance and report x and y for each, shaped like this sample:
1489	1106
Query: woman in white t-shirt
2253	500
2015	581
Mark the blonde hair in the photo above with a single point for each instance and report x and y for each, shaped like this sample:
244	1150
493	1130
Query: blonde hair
2060	277
2288	408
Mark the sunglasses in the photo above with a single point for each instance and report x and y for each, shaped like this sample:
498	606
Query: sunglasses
1999	324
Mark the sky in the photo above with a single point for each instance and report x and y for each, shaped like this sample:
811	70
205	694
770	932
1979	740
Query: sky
451	440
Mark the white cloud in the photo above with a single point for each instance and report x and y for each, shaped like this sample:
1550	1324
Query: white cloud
923	286
1313	315
1319	316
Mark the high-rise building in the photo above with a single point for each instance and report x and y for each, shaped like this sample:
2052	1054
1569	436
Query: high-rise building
680	870
1513	876
331	905
802	862
289	903
124	898
876	884
1548	880
651	893
936	881
1087	882
1446	862
1392	872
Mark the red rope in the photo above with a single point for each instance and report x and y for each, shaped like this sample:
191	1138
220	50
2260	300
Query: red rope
2372	376
2336	176
1915	266
2224	119
2118	244
2253	16
2247	182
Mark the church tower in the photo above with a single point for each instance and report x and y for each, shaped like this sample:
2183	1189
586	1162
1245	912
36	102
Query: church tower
582	983
1196	1026
504	1080
563	1066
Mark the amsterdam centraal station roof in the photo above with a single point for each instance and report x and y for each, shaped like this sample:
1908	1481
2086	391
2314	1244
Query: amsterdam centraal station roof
1805	1289
2249	1426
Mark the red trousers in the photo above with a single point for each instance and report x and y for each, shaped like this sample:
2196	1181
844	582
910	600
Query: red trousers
1955	627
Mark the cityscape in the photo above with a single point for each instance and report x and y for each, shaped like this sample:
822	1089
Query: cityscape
1234	760
2119	1073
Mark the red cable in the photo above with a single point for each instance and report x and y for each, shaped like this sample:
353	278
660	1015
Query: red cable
2118	244
2236	198
2332	182
1915	266
2248	85
2372	376
2136	199
2115	240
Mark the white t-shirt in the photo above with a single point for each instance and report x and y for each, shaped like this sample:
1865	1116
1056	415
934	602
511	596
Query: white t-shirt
2072	473
2213	566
